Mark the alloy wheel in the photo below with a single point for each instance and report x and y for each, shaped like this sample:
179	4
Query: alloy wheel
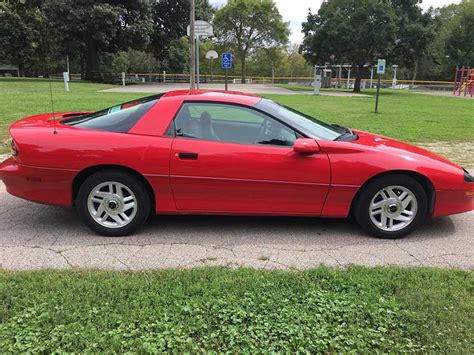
393	208
112	204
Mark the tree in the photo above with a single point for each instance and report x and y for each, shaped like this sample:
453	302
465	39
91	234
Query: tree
414	34
92	27
297	65
22	34
354	32
120	62
170	21
460	41
244	25
141	61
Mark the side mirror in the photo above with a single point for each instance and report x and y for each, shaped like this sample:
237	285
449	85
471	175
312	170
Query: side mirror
306	146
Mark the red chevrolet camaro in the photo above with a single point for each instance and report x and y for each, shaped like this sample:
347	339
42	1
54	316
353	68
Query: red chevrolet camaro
210	152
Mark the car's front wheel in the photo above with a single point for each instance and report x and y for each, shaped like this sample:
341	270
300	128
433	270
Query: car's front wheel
391	206
113	203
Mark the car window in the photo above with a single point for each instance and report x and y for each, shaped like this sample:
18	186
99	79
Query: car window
231	123
120	118
305	124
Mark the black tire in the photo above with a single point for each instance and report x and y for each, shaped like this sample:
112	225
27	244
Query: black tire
142	200
363	200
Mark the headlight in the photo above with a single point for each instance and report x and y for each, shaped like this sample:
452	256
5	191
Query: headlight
13	147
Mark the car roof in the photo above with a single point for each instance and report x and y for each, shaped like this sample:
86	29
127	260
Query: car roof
215	95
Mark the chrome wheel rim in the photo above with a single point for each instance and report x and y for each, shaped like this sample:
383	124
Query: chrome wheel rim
393	208
112	204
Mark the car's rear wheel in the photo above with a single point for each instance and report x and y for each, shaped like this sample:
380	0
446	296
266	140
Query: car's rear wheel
391	206
113	203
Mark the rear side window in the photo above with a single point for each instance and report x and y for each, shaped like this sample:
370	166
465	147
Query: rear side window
119	118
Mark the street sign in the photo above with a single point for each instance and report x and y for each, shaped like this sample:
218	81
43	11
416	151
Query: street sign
381	66
202	29
226	62
380	71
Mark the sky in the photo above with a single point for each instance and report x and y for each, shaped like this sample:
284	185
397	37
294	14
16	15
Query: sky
295	11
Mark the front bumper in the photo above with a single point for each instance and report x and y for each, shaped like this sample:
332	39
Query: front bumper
449	202
42	185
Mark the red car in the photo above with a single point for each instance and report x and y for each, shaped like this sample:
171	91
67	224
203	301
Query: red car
209	152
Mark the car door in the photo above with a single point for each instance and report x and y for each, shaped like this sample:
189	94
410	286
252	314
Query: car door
228	158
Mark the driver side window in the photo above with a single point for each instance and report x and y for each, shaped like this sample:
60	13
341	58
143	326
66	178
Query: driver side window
230	123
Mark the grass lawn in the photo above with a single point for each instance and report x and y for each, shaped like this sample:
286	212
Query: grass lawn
406	116
403	115
213	309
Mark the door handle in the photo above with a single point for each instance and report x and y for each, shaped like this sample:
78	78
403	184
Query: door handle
188	156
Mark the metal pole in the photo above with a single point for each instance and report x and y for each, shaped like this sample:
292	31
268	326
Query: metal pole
377	96
340	77
197	61
455	80
348	77
192	58
226	79
210	69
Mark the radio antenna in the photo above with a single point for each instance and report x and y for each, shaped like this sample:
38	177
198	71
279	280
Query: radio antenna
52	105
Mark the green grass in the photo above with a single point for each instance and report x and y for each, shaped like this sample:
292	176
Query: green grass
403	115
213	309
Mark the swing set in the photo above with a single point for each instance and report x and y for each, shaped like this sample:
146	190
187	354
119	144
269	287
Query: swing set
464	81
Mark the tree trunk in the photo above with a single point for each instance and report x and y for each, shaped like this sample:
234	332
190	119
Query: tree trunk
92	60
359	72
21	70
242	67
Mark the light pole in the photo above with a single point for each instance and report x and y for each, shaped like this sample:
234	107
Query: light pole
394	81
192	59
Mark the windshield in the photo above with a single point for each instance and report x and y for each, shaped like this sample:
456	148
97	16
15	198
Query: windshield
304	123
120	118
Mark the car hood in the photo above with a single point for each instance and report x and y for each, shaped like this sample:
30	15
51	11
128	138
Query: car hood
393	146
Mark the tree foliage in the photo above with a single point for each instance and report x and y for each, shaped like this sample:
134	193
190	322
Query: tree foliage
22	34
91	27
37	35
354	32
242	25
460	41
357	32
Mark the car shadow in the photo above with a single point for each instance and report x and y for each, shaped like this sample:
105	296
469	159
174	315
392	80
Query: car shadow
278	230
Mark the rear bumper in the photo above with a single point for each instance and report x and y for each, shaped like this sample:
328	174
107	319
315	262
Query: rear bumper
42	185
449	202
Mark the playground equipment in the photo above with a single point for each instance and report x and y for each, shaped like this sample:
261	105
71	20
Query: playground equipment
464	81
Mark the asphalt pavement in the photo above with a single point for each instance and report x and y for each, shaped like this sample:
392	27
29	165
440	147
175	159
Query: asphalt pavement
35	236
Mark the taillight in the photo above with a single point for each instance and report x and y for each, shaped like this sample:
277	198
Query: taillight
13	148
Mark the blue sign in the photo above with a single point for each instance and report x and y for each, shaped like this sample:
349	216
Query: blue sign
226	62
381	66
